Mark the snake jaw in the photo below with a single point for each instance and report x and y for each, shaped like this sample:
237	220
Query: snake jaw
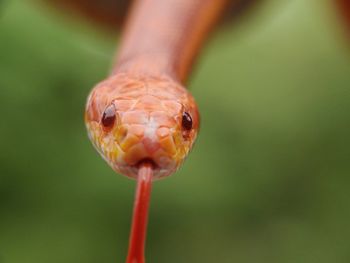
125	155
147	127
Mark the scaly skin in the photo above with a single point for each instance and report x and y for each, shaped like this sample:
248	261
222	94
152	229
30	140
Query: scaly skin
145	89
148	123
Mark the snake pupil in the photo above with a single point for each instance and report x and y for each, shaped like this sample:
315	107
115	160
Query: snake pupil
186	121
109	117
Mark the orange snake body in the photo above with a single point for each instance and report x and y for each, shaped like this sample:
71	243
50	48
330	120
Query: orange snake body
142	111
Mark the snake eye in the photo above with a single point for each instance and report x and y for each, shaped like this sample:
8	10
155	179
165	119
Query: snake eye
187	121
108	117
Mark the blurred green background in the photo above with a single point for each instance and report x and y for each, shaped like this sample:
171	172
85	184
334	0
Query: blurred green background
268	180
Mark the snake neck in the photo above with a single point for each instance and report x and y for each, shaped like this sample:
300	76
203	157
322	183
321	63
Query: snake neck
162	38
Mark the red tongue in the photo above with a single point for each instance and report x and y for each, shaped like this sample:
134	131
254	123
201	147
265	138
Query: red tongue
136	252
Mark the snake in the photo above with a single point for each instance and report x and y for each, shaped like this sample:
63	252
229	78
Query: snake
142	119
143	111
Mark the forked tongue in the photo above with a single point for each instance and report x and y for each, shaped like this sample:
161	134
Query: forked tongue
136	253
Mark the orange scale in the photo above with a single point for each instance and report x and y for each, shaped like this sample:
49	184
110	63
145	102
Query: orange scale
172	107
168	145
161	155
162	119
160	94
137	129
149	100
121	132
167	96
135	153
124	105
133	92
135	117
92	113
163	132
146	107
114	155
129	141
135	85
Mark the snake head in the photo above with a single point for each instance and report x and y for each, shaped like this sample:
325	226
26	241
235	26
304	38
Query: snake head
131	120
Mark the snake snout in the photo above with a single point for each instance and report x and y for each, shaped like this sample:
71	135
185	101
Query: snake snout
152	143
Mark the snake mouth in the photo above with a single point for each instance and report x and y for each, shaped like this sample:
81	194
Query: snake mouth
149	161
160	167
